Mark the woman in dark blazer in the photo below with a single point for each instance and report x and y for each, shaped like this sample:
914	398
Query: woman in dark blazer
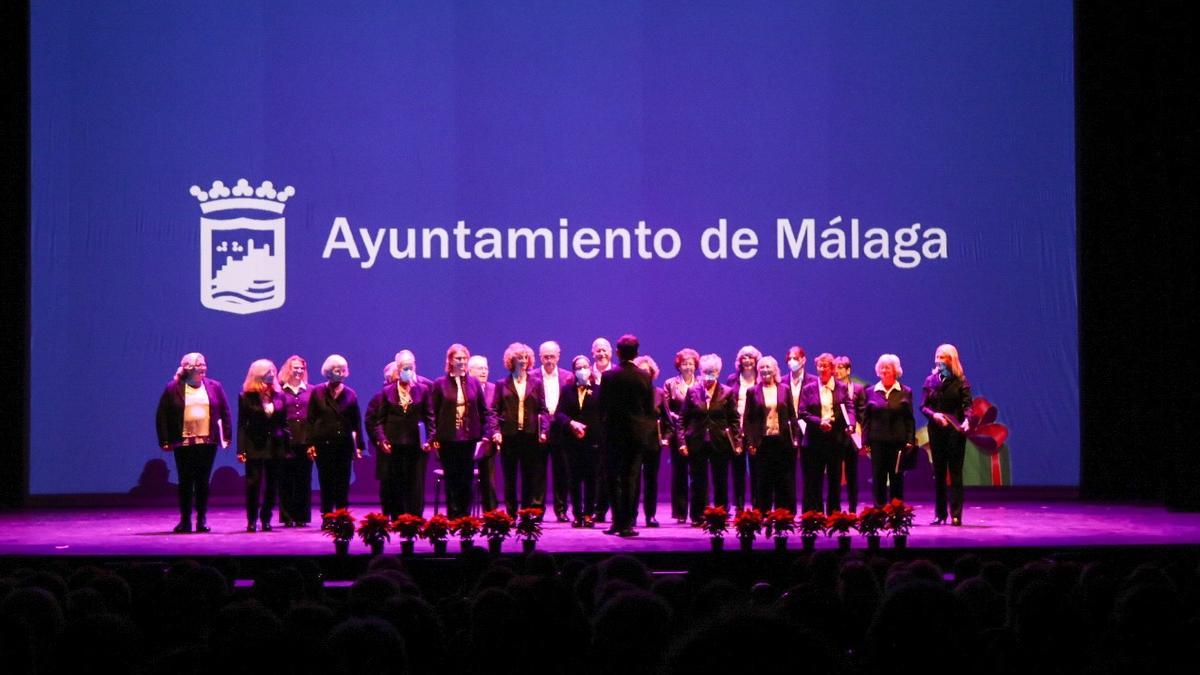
518	407
461	417
687	363
768	429
708	427
824	435
295	485
192	418
888	429
578	415
394	423
262	441
945	404
335	433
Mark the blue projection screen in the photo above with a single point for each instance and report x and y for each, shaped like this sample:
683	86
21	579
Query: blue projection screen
856	178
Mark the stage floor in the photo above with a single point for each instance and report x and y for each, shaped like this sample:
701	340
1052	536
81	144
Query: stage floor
1012	524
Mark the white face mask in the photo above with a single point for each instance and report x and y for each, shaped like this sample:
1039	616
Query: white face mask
582	375
794	364
710	377
407	375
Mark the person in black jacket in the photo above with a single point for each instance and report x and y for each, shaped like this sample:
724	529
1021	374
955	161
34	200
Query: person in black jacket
946	403
461	417
335	433
262	441
518	409
770	434
192	418
627	403
708	427
393	421
295	485
579	415
888	429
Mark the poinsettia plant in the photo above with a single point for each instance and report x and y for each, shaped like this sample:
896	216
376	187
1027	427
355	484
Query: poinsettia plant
871	521
529	524
497	524
467	527
812	523
338	524
779	523
748	524
374	529
839	523
408	526
899	517
715	521
437	528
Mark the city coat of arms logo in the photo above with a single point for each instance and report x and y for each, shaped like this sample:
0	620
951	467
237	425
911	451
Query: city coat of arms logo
242	266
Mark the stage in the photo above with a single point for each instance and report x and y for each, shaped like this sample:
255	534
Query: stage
1047	524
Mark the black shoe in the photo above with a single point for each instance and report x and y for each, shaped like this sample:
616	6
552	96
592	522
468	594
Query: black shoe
588	522
184	527
601	519
627	533
577	523
938	521
562	516
202	526
289	523
612	530
251	528
956	522
680	521
697	523
266	526
650	522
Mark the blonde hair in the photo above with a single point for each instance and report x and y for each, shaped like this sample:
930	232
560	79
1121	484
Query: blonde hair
649	363
956	366
749	350
391	373
287	366
254	378
188	359
451	351
515	349
770	361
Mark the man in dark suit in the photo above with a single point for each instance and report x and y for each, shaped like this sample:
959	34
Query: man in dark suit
553	381
627	404
828	413
485	452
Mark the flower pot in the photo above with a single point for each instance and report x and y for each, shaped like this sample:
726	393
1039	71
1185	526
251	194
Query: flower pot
341	546
781	544
377	548
528	545
406	547
495	546
900	541
746	544
718	543
465	545
439	547
872	542
843	543
810	543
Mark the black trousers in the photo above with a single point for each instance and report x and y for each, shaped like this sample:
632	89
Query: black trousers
295	486
679	483
262	476
624	464
560	475
458	462
193	464
486	466
522	455
648	487
776	464
583	459
822	458
333	474
399	477
884	474
850	468
705	458
949	448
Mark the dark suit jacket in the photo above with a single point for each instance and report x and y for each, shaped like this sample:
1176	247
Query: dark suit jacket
297	414
888	419
719	418
627	403
168	419
507	405
388	421
261	436
588	414
554	431
754	421
335	420
951	397
478	419
810	412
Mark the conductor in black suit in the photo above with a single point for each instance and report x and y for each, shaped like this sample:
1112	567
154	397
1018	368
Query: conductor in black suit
627	404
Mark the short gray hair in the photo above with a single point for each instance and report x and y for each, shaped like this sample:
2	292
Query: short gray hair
885	359
333	361
710	360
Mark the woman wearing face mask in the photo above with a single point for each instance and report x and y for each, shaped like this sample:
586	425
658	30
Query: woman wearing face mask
888	428
708	424
946	402
192	418
579	414
262	441
295	485
394	424
676	389
518	407
744	465
335	434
